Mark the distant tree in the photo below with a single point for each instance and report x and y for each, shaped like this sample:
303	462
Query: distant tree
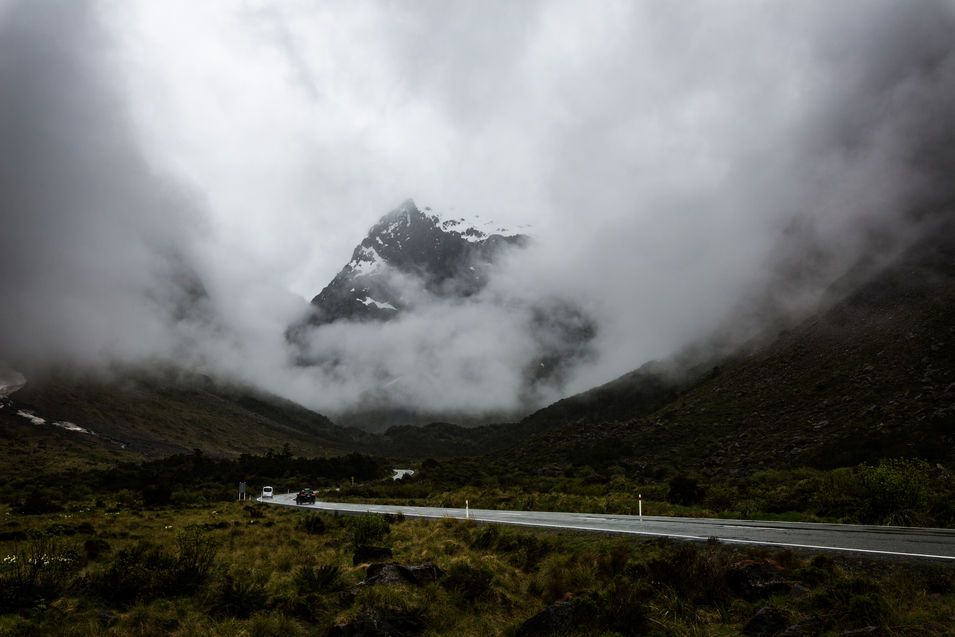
157	494
684	490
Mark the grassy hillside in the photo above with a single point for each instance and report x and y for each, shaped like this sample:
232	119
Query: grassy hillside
164	414
871	377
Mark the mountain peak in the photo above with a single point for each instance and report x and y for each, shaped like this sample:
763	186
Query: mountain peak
450	257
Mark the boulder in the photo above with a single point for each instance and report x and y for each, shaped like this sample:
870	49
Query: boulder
394	573
380	623
752	579
565	617
808	628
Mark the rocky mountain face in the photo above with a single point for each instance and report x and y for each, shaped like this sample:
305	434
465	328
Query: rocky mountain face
448	257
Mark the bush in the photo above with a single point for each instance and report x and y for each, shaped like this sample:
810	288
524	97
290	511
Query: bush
696	574
895	491
238	596
95	547
41	569
525	551
314	525
310	579
367	529
157	494
39	503
195	558
721	498
684	490
472	583
145	571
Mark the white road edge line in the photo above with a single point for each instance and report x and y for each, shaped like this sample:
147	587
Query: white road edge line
651	533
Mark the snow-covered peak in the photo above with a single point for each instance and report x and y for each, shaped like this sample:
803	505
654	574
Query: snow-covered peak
445	255
399	223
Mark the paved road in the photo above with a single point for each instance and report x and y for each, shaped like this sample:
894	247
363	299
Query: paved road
873	540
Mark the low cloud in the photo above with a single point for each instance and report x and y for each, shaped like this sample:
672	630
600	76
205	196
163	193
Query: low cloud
174	199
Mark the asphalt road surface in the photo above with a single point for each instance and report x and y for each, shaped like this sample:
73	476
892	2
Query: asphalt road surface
849	538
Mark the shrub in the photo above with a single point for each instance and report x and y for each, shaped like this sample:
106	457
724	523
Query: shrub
41	569
195	558
39	503
472	583
139	572
95	547
894	491
695	574
314	525
238	596
854	602
367	529
157	494
683	490
145	571
721	498
310	579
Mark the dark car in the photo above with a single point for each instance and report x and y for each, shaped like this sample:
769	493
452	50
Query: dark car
305	496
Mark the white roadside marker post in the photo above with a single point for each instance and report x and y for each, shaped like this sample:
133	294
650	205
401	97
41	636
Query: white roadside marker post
640	505
467	510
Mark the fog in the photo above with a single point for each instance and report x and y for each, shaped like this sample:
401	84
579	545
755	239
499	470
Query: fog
177	179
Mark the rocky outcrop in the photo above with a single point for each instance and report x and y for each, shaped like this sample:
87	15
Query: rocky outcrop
380	623
395	573
752	580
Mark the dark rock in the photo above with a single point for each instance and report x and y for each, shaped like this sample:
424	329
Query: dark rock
364	553
753	580
427	572
809	628
768	621
560	618
394	573
170	625
380	623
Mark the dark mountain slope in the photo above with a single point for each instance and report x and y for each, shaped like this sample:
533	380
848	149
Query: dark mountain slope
872	376
160	415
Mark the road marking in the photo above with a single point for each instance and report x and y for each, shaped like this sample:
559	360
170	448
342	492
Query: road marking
503	519
732	540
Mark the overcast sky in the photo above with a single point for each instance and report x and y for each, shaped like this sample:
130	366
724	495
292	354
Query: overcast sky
658	150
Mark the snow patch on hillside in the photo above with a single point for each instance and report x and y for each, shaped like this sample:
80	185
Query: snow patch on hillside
33	418
379	304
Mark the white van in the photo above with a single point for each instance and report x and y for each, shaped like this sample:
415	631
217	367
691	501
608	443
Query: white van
266	492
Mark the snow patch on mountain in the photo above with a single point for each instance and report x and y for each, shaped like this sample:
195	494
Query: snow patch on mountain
33	418
65	424
379	304
366	262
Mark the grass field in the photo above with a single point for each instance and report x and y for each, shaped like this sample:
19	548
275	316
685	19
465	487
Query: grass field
247	569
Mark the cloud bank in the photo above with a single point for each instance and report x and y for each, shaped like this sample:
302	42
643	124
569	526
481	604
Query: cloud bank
176	178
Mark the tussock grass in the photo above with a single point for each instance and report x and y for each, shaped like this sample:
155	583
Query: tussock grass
268	575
